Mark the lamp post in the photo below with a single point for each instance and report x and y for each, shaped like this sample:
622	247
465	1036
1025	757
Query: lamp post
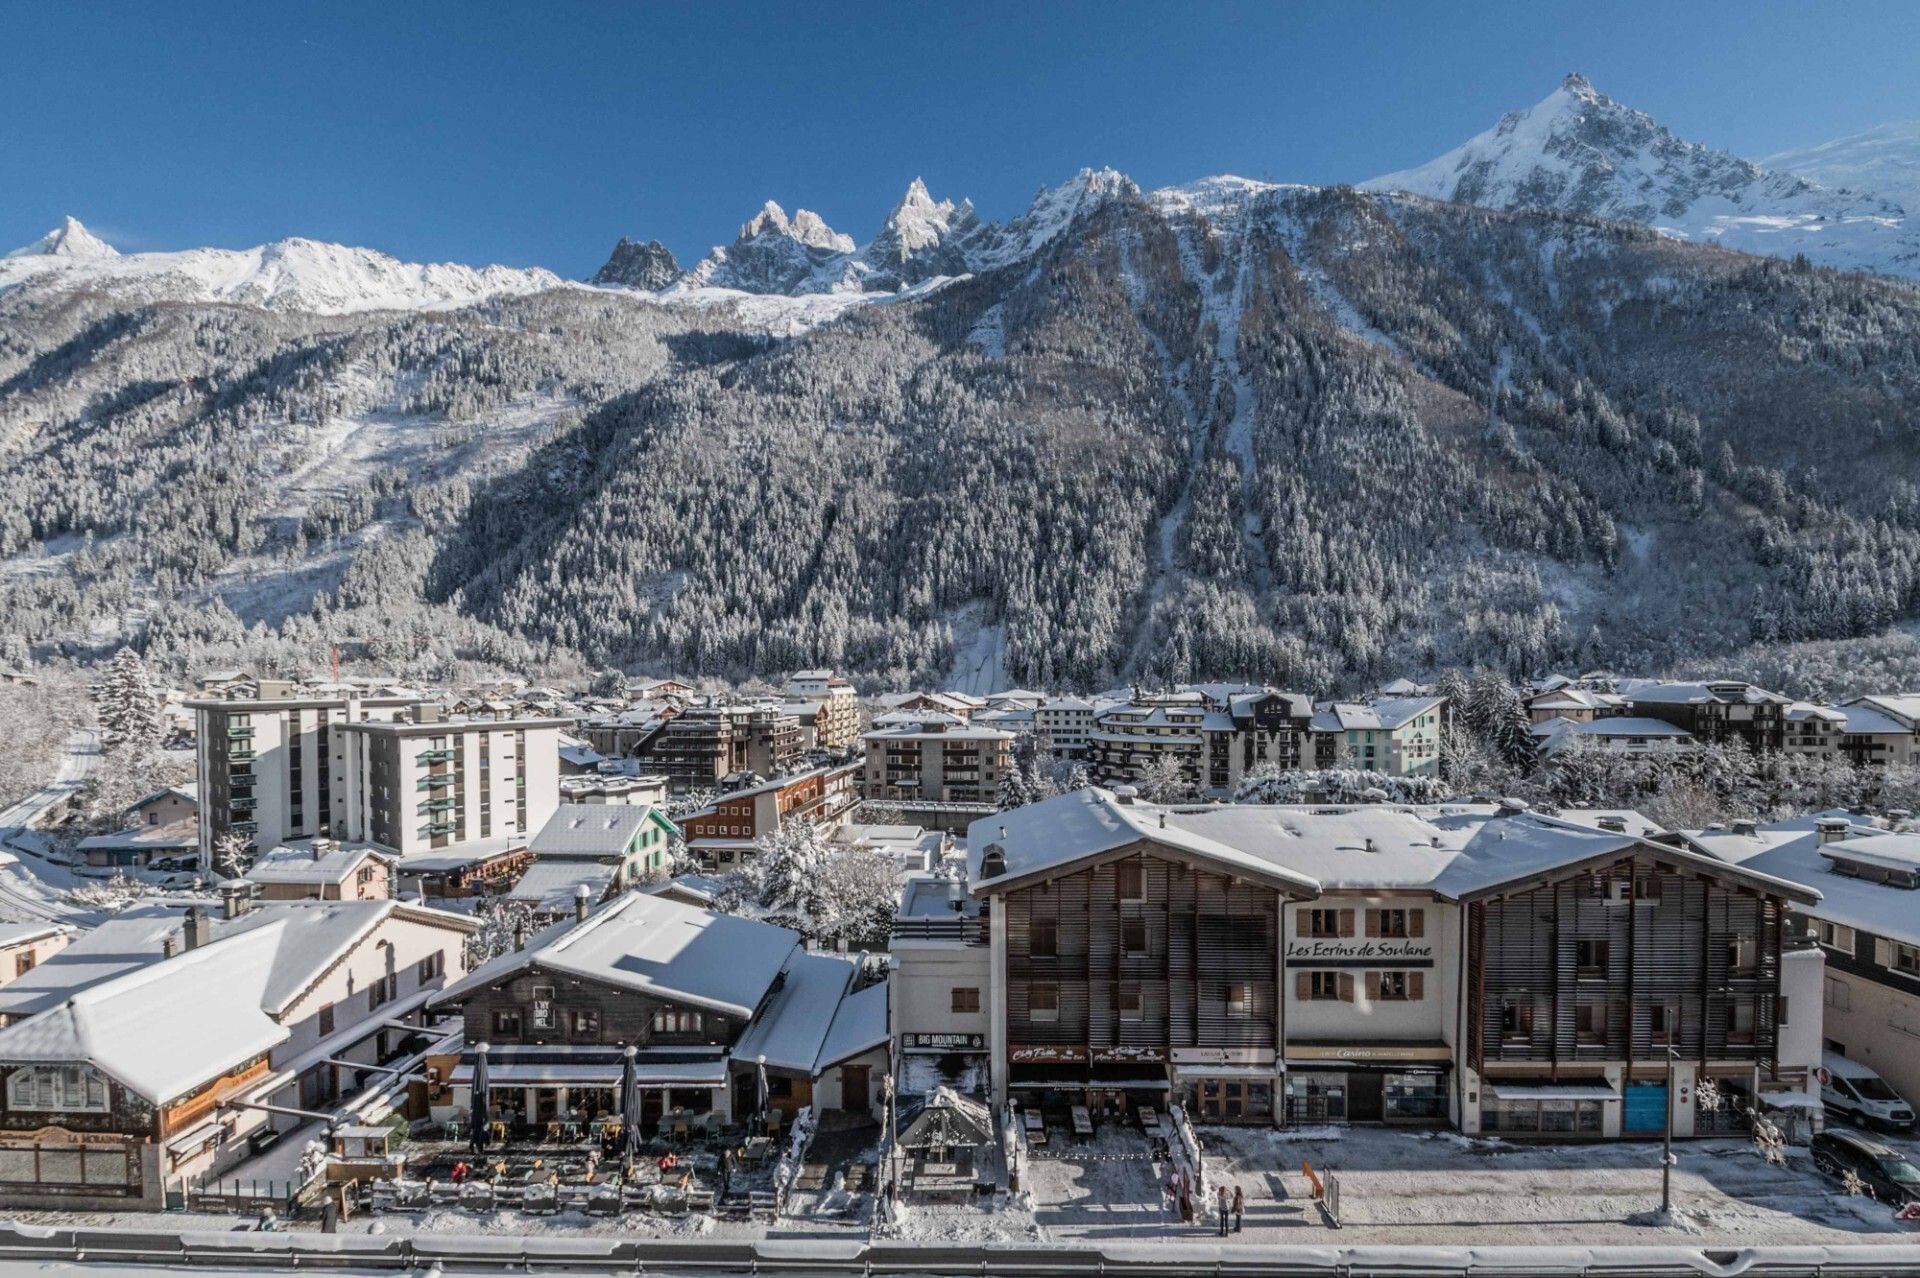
1666	1148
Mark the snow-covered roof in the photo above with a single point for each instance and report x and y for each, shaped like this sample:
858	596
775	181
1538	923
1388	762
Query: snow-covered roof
296	863
701	889
581	756
1730	692
188	792
859	1026
1069	704
173	836
591	829
164	1029
1793	851
793	1027
548	886
1386	714
1404	688
12	934
1902	707
1620	725
1453	850
1866	720
920	727
654	945
1800	711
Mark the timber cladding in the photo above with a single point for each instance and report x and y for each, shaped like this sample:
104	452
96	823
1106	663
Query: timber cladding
1622	964
1142	952
536	1007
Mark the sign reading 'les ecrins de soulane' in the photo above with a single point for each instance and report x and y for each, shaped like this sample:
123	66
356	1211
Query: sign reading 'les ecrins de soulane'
1358	952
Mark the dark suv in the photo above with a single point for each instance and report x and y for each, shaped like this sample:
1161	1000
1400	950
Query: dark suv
1887	1176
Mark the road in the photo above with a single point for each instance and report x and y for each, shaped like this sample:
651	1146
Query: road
32	889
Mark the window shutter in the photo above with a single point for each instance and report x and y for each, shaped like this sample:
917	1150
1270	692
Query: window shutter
1373	987
1302	985
1346	924
1346	983
1416	922
1882	952
1372	924
1416	982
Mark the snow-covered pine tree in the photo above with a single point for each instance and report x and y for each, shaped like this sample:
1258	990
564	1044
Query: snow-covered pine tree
790	870
128	714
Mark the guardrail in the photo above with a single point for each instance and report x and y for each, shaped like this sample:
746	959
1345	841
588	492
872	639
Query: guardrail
101	1250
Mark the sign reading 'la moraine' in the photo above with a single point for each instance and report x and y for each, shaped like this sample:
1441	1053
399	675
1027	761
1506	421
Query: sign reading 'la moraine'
1356	952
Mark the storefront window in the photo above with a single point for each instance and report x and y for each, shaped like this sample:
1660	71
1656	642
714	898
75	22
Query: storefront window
1228	1100
1541	1118
1414	1097
1317	1098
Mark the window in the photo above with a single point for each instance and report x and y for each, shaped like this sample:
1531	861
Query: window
432	966
1130	881
1838	995
1516	1021
670	1020
1390	923
1834	936
583	1022
1043	1002
1329	923
1239	998
23	962
1590	1023
1905	959
966	998
506	1022
1742	956
63	1088
1131	1004
1329	986
1390	987
1648	887
383	990
1133	937
1740	1022
326	1019
1590	960
1663	1022
1045	942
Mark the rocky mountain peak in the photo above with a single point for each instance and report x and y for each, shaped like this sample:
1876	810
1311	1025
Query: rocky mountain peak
649	266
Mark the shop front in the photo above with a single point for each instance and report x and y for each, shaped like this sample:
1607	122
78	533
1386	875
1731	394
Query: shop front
1395	1083
1112	1083
1227	1085
958	1062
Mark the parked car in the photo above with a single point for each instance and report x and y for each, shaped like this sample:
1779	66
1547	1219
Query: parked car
1850	1088
1887	1176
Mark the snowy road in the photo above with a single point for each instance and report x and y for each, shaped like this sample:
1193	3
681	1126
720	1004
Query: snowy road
32	889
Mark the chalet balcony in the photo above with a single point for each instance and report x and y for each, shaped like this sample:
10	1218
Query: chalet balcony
437	756
240	756
437	781
239	732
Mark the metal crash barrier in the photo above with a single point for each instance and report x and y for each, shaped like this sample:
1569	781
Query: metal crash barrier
102	1250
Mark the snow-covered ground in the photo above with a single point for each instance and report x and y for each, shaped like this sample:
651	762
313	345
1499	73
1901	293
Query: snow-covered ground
33	888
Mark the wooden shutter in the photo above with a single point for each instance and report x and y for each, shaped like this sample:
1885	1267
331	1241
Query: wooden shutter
1373	986
1416	922
1416	982
1303	985
1346	981
1882	952
1346	923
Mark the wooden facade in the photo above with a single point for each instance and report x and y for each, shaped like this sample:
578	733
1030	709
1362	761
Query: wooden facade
553	1009
1148	954
1619	964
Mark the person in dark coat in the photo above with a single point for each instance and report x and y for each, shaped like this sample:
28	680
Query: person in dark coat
1220	1198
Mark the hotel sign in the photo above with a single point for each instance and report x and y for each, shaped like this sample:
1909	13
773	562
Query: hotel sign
1357	952
1047	1054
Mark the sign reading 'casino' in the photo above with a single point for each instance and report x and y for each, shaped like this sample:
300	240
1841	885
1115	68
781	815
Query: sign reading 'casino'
1358	952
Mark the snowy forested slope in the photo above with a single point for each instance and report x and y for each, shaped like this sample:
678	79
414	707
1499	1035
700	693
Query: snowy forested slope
1227	429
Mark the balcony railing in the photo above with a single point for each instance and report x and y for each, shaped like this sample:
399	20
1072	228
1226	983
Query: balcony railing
437	756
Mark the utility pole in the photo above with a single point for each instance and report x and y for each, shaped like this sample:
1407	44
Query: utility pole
1666	1150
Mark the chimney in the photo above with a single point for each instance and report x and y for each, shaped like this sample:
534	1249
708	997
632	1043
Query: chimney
1513	807
1746	826
582	902
1833	829
427	712
1613	824
1125	794
236	896
197	929
519	934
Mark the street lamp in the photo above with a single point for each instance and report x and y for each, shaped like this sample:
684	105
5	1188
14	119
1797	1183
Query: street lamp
1666	1150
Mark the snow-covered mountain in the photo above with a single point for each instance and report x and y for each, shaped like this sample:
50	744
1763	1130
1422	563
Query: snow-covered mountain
292	275
649	266
1884	160
1579	151
68	240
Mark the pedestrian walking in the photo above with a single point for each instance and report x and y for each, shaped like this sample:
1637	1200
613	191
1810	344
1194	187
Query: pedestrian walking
1220	1197
1239	1208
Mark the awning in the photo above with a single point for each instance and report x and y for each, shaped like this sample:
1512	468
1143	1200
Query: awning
1554	1092
194	1139
561	1074
1230	1071
1790	1100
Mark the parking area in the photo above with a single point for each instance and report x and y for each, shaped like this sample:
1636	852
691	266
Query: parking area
1404	1187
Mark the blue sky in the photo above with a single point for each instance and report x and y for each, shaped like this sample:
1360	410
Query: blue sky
538	134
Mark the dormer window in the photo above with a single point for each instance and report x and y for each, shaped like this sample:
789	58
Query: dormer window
993	862
57	1089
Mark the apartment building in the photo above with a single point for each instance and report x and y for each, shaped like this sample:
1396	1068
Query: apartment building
161	1045
1581	705
1715	711
1473	964
940	987
1866	921
1062	726
936	758
1216	733
704	744
836	721
1397	736
729	828
1883	729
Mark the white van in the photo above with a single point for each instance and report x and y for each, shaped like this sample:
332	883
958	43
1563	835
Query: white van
1850	1088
